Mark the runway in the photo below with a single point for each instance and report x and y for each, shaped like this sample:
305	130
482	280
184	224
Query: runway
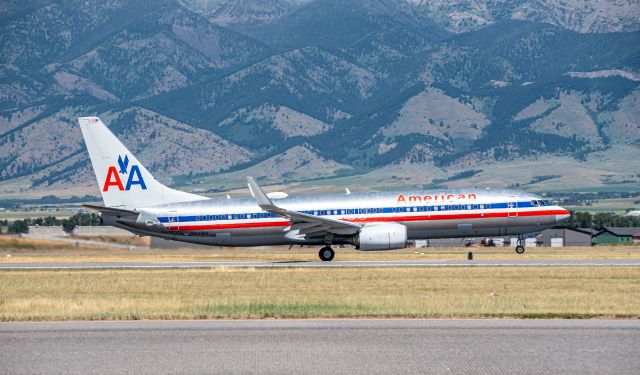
323	347
338	264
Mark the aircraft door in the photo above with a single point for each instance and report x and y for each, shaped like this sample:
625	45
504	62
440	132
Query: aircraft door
512	206
174	223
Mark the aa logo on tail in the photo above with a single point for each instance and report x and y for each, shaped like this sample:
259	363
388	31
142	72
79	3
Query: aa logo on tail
133	175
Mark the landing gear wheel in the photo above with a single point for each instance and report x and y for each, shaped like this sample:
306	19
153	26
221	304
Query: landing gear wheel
326	254
520	249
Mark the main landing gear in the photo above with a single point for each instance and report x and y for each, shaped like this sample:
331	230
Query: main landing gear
326	254
519	245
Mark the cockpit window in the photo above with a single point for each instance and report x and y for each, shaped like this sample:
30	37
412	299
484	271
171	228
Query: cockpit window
539	202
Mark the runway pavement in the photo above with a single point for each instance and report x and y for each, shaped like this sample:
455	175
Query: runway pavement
323	347
401	263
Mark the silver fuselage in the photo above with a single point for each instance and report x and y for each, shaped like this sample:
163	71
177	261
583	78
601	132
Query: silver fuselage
426	214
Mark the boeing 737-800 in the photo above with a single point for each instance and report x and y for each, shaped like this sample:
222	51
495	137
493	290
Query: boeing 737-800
134	200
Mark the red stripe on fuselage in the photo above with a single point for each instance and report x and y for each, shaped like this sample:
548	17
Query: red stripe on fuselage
266	224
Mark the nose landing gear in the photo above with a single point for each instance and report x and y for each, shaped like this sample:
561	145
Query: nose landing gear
519	245
326	254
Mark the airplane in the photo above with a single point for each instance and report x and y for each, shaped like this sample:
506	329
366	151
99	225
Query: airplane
134	200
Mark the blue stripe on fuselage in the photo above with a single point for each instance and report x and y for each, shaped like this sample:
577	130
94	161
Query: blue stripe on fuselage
386	210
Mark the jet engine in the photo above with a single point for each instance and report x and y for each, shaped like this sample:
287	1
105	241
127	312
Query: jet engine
386	236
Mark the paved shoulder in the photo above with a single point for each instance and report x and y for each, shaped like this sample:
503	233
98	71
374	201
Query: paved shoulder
323	347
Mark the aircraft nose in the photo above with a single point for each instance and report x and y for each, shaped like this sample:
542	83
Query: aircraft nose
562	215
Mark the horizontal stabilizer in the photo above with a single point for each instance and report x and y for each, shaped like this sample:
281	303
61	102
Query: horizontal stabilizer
111	210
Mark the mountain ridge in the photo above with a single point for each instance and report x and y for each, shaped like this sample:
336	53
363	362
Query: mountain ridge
391	85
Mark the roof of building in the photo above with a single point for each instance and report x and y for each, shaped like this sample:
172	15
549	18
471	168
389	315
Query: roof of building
620	231
581	230
585	230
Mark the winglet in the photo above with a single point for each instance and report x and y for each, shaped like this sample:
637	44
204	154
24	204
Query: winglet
261	198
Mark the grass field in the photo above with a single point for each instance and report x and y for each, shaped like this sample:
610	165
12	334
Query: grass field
234	293
535	292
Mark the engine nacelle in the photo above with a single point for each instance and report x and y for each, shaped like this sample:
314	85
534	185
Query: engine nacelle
385	236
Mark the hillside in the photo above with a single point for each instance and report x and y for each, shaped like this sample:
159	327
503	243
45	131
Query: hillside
407	91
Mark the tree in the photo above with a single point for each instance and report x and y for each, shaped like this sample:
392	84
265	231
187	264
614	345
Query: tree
601	220
80	219
68	225
18	226
580	220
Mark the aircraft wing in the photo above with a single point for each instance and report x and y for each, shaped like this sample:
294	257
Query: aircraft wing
306	224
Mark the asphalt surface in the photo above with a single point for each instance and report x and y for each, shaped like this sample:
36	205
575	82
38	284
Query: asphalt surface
399	263
323	347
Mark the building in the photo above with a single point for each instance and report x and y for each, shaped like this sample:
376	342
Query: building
615	236
558	237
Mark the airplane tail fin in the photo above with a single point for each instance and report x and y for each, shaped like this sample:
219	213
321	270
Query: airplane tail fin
123	181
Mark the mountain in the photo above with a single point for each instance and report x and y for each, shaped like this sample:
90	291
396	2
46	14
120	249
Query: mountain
590	16
410	92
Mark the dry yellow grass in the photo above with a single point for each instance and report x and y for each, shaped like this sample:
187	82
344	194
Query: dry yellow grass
536	292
